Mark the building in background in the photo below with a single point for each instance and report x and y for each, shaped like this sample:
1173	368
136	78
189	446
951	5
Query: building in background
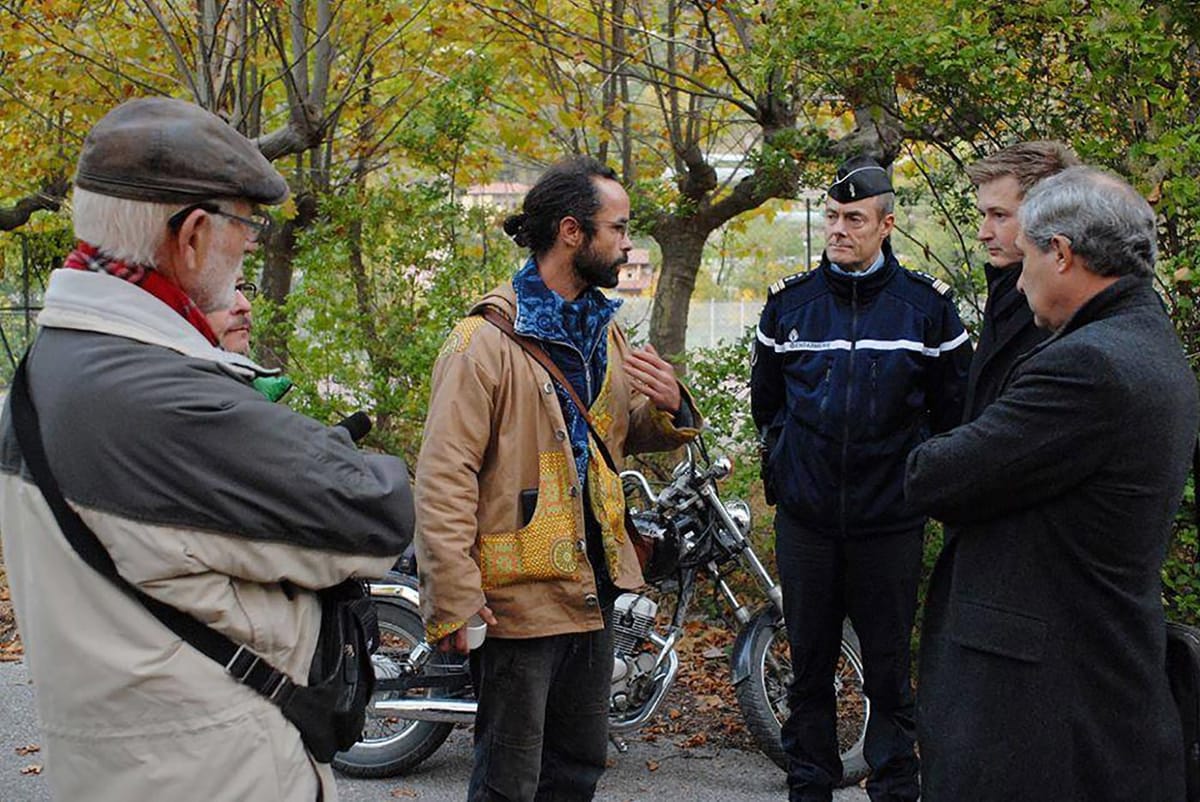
637	275
499	195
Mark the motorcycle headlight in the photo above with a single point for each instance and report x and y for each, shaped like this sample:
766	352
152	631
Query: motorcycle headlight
739	511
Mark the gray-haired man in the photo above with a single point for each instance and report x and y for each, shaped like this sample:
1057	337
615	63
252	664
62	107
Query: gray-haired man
1043	647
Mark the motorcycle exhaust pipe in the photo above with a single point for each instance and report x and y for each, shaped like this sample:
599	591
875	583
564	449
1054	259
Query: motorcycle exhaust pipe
449	711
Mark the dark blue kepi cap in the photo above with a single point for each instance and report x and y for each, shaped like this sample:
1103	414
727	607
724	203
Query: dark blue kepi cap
859	177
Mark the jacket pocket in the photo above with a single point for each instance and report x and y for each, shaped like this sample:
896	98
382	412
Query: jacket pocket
544	548
996	630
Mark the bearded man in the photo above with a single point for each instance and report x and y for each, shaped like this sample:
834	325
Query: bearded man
519	503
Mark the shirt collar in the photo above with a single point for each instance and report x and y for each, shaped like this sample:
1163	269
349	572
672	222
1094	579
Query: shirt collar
878	263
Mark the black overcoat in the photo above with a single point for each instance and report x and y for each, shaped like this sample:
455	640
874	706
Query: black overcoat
1008	331
1042	654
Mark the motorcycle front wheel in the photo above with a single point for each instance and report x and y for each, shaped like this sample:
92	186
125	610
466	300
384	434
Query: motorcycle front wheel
392	745
762	696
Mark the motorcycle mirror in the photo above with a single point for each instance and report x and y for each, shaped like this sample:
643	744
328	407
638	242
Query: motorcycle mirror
722	467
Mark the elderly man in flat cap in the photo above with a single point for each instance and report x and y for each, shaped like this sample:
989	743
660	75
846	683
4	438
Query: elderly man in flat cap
208	498
855	363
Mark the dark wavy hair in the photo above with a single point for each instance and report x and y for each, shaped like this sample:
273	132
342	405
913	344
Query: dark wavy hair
565	190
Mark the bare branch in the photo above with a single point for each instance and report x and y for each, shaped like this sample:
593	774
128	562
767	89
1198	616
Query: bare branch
177	56
48	198
730	72
541	25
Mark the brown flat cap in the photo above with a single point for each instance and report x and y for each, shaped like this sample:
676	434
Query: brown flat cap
163	150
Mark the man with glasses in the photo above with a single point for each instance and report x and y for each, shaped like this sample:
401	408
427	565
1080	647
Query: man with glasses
521	513
232	326
144	422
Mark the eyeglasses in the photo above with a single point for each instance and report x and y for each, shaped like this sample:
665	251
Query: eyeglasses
622	229
257	225
247	288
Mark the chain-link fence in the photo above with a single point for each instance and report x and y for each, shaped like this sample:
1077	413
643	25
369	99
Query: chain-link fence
710	323
28	260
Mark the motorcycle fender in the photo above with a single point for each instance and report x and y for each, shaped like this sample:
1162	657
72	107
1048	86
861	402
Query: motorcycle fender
400	587
740	659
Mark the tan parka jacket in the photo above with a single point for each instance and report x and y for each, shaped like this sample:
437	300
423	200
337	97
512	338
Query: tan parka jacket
209	498
495	430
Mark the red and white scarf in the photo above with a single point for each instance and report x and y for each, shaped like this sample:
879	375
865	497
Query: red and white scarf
88	257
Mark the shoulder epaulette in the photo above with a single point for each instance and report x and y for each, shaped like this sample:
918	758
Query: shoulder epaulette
788	281
942	287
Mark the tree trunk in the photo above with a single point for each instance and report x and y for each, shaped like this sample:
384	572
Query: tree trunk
280	250
682	242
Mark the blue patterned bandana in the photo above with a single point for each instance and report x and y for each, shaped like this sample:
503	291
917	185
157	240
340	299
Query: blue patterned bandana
575	334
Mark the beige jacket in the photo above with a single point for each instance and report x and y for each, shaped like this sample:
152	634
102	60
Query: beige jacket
209	498
495	428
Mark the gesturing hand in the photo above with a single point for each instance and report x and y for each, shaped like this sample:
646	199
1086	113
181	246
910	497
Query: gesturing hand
653	377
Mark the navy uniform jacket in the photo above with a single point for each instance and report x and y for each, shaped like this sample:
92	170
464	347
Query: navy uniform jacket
849	374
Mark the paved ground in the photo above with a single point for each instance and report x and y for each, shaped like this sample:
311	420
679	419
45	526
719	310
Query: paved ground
697	775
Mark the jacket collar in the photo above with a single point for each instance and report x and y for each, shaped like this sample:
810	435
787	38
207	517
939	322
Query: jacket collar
1002	288
87	301
859	285
1126	293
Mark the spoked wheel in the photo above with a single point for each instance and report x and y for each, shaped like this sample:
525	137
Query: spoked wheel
763	695
392	745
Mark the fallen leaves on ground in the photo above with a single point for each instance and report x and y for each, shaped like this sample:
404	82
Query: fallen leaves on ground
701	709
10	642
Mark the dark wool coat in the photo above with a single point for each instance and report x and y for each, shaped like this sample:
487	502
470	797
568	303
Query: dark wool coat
1008	331
1042	654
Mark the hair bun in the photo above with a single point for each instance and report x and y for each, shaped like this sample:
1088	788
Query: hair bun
514	226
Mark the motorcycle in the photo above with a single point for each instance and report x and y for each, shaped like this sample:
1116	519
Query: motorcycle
421	694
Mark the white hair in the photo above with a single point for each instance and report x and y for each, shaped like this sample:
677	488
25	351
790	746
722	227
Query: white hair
126	230
1106	220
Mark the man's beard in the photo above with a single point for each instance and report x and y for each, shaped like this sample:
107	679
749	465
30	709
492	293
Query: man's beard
217	286
596	271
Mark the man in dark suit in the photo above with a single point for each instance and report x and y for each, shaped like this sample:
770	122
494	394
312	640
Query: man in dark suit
1043	649
1001	181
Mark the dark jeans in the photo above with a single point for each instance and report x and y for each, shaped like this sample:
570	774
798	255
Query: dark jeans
874	582
541	732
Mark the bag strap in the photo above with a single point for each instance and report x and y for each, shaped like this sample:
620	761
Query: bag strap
244	665
532	347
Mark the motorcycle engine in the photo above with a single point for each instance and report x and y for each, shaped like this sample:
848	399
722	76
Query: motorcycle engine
633	615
